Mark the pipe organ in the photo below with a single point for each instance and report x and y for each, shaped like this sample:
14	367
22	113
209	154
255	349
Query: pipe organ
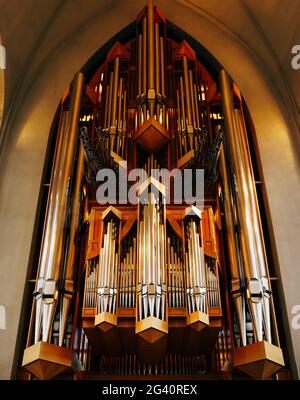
157	286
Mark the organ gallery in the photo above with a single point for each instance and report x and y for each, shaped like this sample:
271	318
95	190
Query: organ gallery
178	283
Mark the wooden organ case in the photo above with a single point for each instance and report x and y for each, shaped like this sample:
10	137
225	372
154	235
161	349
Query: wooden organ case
157	287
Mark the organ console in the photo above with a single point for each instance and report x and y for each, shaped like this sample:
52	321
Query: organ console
156	287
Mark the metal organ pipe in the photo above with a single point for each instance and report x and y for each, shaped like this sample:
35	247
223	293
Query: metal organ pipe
252	246
72	248
187	97
151	54
108	268
115	91
59	196
151	280
195	269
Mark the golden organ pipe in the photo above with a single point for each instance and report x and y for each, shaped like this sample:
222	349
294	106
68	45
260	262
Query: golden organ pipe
120	105
105	123
48	225
140	54
192	97
59	197
144	55
151	54
157	59
111	80
183	119
187	94
256	279
162	66
71	254
196	101
115	91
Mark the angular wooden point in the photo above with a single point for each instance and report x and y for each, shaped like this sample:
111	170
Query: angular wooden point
151	335
117	159
181	163
151	329
151	136
117	51
111	212
197	320
258	360
192	212
105	321
184	49
46	360
149	182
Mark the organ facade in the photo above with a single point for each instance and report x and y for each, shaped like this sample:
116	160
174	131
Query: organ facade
177	283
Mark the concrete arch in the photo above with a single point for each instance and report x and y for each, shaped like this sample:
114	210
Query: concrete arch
30	121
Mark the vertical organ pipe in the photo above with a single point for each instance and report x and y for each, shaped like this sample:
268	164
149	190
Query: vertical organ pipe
38	293
187	92
248	219
71	254
52	251
236	278
150	46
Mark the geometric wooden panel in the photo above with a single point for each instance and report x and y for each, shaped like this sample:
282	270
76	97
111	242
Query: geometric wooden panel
46	360
259	360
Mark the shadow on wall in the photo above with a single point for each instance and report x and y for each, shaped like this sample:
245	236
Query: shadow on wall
2	68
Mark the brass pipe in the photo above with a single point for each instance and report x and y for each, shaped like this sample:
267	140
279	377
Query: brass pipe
187	93
75	215
157	67
140	63
157	59
140	55
111	80
123	125
67	167
144	80
113	130
115	91
162	66
120	95
118	131
232	249
196	106
256	222
145	55
192	97
47	229
151	55
55	182
163	83
60	201
183	119
179	124
248	244
106	108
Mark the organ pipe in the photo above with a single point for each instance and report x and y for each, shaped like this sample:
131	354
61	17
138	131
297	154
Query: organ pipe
52	250
252	246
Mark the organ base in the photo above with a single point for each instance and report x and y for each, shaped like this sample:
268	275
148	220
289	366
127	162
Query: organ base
259	360
152	136
105	321
197	320
45	360
151	329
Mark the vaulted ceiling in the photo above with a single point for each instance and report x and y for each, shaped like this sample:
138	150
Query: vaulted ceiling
32	29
